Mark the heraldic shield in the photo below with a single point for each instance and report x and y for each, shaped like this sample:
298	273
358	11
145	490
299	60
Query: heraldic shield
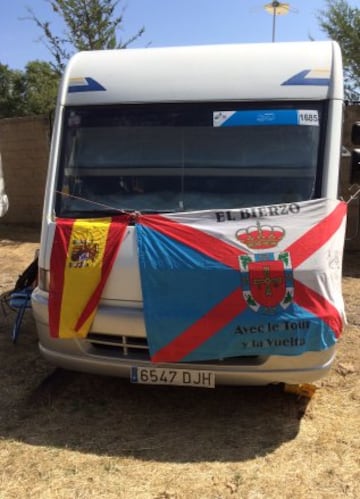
267	281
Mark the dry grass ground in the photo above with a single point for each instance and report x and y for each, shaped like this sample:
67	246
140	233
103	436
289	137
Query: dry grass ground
70	435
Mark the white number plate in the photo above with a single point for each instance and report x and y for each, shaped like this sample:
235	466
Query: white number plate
179	377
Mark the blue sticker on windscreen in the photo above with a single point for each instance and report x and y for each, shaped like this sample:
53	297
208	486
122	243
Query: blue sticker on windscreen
266	117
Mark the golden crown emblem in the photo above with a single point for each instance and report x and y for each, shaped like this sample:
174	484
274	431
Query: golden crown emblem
260	236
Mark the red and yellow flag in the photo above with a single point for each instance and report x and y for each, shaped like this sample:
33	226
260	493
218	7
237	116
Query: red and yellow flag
82	256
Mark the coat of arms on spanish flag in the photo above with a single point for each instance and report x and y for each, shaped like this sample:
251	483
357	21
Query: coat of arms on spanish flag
82	257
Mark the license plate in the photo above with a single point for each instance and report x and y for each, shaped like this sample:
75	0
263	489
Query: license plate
178	377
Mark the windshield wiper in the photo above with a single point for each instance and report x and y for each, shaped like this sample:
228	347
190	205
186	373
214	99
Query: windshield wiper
110	213
150	211
91	213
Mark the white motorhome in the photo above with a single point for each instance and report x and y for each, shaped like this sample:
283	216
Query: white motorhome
136	131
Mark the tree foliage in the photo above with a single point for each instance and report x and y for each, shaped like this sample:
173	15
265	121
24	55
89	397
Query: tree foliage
28	92
41	87
341	22
89	25
11	91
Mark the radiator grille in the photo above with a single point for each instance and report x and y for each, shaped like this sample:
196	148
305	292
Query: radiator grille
131	347
119	346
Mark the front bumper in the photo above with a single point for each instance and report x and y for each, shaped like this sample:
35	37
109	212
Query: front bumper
83	354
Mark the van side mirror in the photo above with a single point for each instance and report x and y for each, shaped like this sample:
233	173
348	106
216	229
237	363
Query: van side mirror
355	134
355	166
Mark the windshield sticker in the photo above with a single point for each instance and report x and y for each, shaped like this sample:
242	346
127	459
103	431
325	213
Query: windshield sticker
267	117
74	120
308	117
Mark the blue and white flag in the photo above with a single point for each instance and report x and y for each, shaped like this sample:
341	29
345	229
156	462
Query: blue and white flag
254	281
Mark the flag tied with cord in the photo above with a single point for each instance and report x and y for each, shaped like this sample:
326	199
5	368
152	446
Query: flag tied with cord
256	281
82	257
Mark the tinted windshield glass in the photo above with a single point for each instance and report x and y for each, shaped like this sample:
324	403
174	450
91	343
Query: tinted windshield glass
189	157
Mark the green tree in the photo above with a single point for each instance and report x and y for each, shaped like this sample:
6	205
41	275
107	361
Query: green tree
28	92
341	22
41	86
89	25
12	85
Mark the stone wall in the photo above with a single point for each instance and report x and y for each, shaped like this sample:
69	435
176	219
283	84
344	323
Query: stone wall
24	147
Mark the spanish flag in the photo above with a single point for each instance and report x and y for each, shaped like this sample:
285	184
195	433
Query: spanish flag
82	256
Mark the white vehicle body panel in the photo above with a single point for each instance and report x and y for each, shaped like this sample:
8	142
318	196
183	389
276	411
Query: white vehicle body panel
264	73
205	73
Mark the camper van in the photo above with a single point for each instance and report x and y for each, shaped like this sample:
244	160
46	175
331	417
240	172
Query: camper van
201	159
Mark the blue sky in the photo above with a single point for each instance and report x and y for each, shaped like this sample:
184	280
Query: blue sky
167	22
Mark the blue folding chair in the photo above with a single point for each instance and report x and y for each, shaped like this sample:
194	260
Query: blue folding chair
19	301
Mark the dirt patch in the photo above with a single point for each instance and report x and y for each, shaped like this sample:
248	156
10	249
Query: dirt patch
65	434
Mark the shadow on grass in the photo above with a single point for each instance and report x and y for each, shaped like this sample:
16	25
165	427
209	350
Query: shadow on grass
111	417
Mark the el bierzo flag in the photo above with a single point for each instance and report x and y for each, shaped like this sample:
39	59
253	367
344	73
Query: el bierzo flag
253	281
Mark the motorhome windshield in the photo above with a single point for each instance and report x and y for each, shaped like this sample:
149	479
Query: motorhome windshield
169	158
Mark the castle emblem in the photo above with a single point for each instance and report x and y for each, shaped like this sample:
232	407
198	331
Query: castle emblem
267	281
266	278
